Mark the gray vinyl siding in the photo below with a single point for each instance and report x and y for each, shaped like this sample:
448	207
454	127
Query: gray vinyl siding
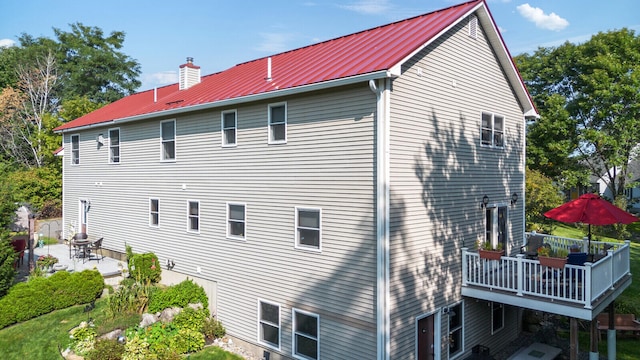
326	163
439	174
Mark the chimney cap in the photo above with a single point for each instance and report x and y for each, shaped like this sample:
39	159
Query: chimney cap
189	64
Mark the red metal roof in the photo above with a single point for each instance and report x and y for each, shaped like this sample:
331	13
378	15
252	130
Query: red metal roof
368	51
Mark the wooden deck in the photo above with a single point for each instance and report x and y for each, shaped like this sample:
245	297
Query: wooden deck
580	291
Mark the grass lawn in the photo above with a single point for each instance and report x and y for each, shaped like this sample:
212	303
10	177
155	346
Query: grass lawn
39	338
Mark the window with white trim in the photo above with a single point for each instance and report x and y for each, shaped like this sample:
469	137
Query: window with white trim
154	212
277	123
496	225
308	228
269	324
497	317
193	216
229	123
492	130
114	146
75	149
456	330
306	329
168	140
236	220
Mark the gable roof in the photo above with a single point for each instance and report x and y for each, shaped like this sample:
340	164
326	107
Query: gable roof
371	54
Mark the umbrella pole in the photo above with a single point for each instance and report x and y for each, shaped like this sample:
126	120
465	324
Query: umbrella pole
589	245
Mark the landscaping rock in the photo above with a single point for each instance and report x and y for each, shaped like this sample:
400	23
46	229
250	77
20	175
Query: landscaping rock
168	314
147	319
113	335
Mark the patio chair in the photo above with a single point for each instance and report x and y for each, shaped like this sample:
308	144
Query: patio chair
95	247
530	249
73	246
19	244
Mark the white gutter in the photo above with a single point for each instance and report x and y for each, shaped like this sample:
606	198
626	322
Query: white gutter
242	99
383	113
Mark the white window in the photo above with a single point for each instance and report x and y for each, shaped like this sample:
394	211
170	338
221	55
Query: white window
154	212
75	149
492	130
168	137
269	324
497	317
456	330
193	215
236	217
496	225
114	146
306	329
278	123
229	127
308	228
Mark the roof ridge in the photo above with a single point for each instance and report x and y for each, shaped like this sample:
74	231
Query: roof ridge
362	31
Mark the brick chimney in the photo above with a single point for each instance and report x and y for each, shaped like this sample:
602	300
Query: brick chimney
189	74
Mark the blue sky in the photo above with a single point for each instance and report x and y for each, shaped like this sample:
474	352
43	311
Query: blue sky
218	34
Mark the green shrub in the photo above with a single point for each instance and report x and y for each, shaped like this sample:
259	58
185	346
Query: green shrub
190	318
145	267
159	336
213	328
179	295
137	348
83	338
187	340
106	350
88	285
130	298
30	299
42	295
7	259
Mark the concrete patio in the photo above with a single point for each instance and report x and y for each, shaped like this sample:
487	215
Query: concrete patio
108	267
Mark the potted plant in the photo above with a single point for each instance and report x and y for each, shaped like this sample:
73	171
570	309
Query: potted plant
488	252
46	262
555	259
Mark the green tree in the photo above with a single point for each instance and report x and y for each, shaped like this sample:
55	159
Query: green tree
76	107
589	99
39	187
25	112
8	63
542	196
92	65
7	254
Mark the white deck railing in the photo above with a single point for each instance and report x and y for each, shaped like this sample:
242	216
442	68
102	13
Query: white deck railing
581	284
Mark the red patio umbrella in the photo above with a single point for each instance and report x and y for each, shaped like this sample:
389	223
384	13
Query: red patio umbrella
590	209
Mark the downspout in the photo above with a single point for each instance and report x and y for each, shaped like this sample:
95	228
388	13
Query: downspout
381	89
64	192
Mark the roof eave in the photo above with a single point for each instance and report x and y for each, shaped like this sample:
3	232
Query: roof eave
506	60
503	55
393	72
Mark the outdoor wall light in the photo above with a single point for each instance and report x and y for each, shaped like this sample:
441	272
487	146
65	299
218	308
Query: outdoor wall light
514	199
485	201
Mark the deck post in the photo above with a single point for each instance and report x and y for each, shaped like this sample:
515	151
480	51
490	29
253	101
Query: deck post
593	352
587	285
520	274
573	339
464	266
611	333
